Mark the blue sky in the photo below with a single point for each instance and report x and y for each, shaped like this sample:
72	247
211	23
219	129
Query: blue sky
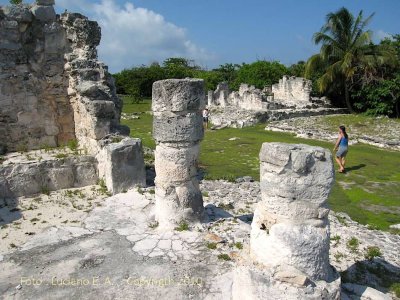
214	32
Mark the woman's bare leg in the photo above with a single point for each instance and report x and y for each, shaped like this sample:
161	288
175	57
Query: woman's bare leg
339	161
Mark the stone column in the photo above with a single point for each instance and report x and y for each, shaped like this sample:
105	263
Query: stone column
177	129
290	229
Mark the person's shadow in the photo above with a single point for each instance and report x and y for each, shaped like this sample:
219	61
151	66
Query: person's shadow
353	168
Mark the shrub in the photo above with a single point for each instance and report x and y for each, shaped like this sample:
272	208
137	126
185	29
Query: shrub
45	190
212	246
183	226
395	288
239	245
72	145
372	252
353	244
224	257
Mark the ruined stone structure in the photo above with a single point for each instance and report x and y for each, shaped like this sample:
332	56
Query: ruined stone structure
248	97
177	129
290	228
290	93
290	98
290	224
54	90
22	178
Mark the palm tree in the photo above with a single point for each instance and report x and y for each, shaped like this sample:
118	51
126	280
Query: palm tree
346	51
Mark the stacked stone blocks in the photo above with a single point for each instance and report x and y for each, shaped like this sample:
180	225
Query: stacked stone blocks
178	130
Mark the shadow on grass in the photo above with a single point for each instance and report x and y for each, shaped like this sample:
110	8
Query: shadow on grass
357	167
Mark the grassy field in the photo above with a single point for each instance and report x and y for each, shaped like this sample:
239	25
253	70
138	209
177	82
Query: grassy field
369	192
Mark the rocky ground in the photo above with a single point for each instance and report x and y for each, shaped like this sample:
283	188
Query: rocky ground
381	132
111	247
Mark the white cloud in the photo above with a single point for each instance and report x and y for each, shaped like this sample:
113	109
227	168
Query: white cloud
133	35
380	35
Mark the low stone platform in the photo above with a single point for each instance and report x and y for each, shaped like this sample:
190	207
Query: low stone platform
237	118
41	171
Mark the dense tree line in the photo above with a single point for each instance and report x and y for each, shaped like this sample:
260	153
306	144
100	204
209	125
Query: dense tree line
350	69
137	81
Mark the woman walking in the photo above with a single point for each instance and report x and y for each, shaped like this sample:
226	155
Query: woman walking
206	115
342	147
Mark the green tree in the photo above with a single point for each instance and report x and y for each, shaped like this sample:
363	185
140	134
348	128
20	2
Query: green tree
177	67
298	69
346	50
380	97
260	74
211	78
15	2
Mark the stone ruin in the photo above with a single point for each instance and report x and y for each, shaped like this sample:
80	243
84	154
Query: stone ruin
290	93
177	130
295	184
53	90
289	98
290	229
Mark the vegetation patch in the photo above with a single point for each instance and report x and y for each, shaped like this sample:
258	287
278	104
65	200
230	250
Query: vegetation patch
211	246
372	252
353	244
183	226
224	256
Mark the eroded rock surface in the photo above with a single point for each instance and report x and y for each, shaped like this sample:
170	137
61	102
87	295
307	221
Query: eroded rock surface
177	129
290	224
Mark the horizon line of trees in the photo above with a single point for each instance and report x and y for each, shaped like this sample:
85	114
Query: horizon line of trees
349	69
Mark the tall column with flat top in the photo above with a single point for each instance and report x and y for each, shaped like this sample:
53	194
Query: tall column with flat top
177	106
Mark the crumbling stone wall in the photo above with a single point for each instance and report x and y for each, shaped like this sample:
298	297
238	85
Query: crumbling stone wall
53	89
34	105
290	93
91	88
248	97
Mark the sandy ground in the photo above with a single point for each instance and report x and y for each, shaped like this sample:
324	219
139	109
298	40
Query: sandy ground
22	218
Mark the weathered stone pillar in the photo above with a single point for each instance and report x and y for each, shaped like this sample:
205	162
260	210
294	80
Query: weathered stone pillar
177	128
290	228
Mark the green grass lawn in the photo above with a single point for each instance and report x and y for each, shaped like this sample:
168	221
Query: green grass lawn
369	192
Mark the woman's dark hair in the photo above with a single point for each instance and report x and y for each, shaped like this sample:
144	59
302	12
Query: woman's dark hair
343	129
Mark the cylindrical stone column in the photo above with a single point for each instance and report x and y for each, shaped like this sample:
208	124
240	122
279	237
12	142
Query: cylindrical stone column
177	129
290	228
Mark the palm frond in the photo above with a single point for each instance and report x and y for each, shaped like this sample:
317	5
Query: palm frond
312	64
